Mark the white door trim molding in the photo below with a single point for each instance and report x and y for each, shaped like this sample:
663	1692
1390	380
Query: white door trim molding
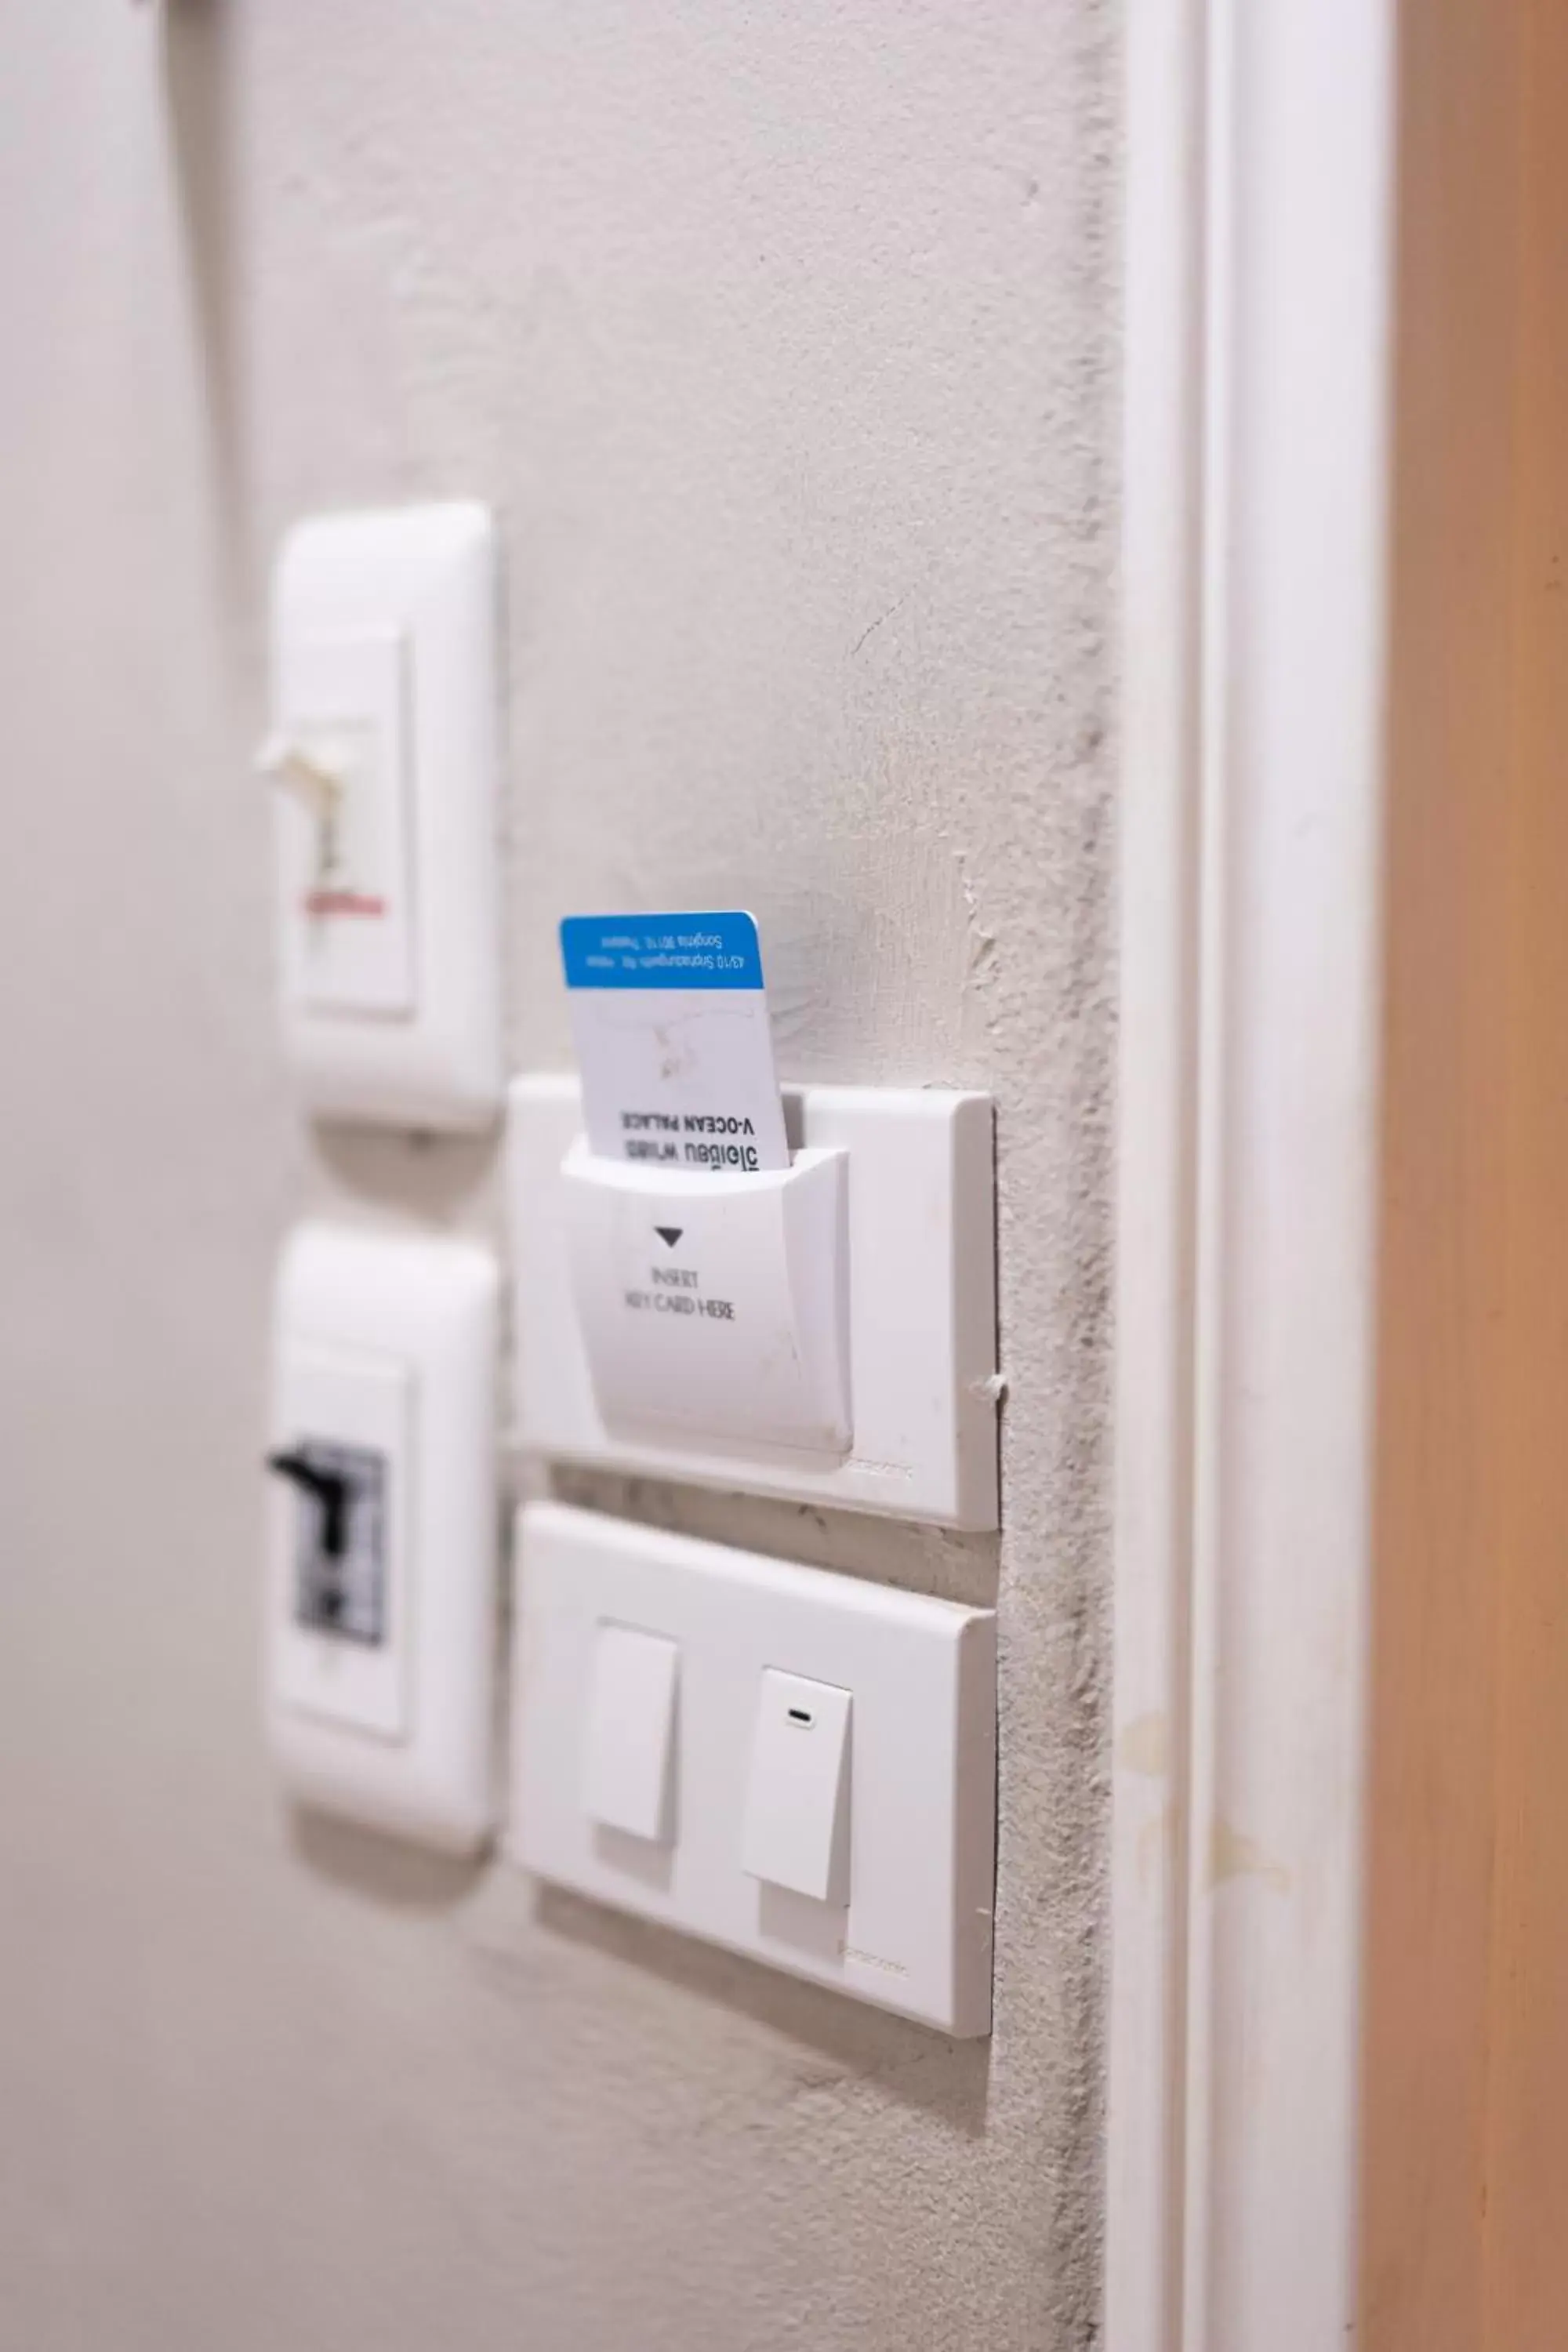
1259	274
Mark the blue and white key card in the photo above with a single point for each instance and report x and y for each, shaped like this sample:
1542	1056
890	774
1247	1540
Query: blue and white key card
670	1020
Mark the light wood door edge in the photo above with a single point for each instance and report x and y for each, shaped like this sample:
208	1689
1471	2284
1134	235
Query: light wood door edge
1464	2138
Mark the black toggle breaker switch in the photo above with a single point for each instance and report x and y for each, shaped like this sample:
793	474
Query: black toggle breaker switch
328	1489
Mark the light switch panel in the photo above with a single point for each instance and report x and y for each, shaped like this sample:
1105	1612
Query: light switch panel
797	1829
833	1757
826	1333
629	1766
381	1537
381	757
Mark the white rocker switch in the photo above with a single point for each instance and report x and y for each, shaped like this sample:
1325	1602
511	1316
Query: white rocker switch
629	1761
796	1827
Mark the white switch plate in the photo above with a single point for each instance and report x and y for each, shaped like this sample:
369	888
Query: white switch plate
919	1788
920	1281
384	679
386	1347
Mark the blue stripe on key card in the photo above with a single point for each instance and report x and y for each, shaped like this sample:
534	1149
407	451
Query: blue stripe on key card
698	950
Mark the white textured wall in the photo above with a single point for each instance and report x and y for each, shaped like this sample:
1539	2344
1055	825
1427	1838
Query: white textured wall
783	337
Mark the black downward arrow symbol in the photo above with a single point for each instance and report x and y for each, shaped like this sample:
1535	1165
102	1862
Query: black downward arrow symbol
671	1234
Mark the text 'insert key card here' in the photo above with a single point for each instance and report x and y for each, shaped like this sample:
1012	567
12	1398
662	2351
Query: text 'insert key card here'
670	1021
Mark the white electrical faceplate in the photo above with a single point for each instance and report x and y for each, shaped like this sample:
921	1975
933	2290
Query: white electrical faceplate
382	757
827	1330
382	1533
798	1765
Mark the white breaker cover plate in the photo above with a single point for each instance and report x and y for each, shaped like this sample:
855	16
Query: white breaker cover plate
384	754
380	1705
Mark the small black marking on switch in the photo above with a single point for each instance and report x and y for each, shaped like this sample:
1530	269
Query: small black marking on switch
799	1715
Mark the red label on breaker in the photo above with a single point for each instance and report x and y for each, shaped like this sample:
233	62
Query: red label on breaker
343	902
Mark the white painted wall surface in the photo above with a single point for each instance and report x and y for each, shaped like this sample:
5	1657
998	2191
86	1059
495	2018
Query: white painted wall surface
783	340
